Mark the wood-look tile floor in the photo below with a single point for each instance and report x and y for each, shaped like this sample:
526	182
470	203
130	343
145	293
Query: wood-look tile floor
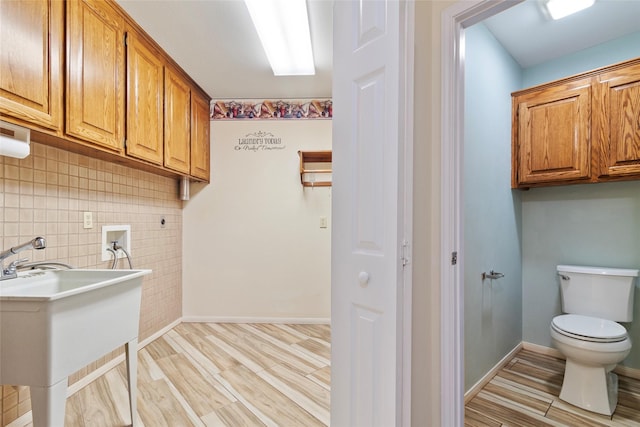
526	393
205	374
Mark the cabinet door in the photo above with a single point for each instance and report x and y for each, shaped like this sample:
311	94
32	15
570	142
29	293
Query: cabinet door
553	141
199	137
617	126
144	100
31	40
177	122
95	73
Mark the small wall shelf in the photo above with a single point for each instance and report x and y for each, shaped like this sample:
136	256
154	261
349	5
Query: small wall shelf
315	168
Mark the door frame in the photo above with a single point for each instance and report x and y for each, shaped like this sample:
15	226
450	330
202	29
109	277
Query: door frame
454	20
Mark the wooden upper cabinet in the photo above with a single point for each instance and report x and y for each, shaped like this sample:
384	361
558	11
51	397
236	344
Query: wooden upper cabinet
177	122
85	76
95	73
31	61
200	150
145	87
552	140
617	124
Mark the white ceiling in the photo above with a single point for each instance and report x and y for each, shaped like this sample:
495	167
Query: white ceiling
532	38
216	44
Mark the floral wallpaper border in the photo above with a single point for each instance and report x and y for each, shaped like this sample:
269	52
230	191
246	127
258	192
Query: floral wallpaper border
271	109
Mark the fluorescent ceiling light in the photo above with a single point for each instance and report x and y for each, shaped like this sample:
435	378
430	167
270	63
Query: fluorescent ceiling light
561	8
283	28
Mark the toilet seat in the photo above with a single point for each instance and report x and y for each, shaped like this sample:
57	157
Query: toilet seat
590	329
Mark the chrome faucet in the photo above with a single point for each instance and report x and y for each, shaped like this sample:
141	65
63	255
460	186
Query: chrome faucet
10	272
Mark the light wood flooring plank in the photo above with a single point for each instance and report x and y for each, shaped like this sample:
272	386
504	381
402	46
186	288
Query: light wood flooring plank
268	399
322	332
279	376
290	355
507	413
220	375
572	416
315	348
533	404
543	375
473	418
183	346
200	394
98	408
196	334
305	393
148	369
278	354
237	415
286	336
626	416
518	393
532	383
159	349
543	361
157	406
322	377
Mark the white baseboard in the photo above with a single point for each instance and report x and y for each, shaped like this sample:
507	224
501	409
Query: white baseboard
233	319
145	342
475	389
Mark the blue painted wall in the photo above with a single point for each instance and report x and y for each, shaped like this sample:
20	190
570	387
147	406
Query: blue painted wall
627	47
589	224
525	234
493	309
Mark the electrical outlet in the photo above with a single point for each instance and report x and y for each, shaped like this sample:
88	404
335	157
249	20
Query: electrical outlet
323	222
88	220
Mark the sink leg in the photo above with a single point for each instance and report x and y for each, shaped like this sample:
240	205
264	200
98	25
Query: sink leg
48	404
131	349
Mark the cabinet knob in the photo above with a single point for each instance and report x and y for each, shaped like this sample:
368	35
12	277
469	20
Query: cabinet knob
363	278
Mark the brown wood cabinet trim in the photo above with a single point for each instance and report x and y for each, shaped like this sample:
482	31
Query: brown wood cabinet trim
61	135
144	121
602	169
200	138
177	150
592	73
74	94
167	58
51	116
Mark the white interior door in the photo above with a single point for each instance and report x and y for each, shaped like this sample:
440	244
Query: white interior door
368	213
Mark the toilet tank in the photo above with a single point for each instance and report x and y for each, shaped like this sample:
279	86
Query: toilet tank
598	291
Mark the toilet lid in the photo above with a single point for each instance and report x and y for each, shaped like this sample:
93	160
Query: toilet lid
589	328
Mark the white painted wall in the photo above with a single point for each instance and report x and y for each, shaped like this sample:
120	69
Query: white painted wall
253	246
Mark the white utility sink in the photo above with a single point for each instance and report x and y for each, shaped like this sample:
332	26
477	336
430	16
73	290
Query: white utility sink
55	322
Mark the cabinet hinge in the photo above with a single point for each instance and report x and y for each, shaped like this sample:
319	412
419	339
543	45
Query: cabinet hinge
405	253
125	38
124	143
454	258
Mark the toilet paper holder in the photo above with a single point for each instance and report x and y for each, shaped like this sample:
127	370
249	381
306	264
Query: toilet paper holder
492	275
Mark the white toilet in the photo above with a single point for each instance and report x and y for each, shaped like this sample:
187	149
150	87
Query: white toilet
595	299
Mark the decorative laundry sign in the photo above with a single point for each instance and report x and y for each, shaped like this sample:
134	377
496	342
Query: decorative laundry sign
259	141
